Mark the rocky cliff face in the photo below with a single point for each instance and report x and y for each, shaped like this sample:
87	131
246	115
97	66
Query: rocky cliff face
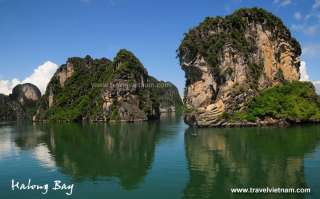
228	60
167	96
10	110
20	104
101	90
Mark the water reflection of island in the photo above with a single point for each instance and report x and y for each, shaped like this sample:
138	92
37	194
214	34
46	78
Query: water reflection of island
124	151
220	159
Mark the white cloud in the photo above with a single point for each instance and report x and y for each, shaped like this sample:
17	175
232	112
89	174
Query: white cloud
42	154
317	86
303	72
6	86
305	77
311	50
40	77
7	146
297	27
283	2
308	16
316	4
309	30
297	15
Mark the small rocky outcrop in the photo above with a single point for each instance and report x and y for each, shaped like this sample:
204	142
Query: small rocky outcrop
230	60
101	90
26	94
19	105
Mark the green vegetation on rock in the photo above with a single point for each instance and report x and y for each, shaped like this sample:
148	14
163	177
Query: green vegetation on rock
292	101
126	62
81	92
214	34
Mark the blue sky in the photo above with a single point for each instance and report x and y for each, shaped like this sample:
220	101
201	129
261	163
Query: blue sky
35	31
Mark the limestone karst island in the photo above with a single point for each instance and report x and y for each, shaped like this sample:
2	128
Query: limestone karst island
243	70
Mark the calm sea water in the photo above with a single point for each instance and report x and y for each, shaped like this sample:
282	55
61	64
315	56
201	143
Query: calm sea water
163	159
